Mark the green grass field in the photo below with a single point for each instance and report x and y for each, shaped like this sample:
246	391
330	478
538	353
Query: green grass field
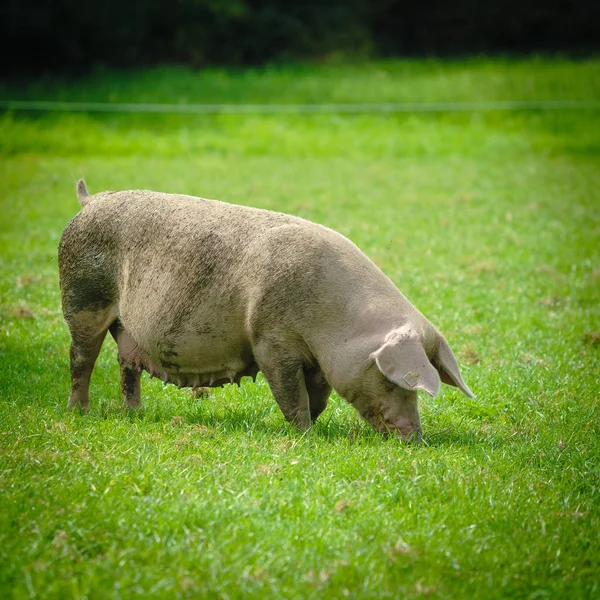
488	222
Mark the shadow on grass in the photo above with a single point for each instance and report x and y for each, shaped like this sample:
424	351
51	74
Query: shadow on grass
263	420
463	437
38	371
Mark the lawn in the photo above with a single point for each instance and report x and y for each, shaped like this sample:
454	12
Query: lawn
488	221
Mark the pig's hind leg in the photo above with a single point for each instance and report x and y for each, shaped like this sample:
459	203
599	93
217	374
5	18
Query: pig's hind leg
88	329
285	374
129	364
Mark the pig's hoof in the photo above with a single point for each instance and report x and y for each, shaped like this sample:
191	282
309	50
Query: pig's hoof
78	401
133	406
201	393
302	422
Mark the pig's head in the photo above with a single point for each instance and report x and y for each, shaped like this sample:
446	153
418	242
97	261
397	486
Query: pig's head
387	392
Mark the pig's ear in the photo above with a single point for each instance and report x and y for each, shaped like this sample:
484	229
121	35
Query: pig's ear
447	367
403	361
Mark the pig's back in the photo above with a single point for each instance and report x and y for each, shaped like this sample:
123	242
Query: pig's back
183	271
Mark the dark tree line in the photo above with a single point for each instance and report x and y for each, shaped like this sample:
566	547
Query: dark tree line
74	35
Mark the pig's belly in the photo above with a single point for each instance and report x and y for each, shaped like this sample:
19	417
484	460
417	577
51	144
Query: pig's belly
196	353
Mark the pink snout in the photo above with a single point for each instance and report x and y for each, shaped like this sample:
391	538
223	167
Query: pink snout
410	434
403	419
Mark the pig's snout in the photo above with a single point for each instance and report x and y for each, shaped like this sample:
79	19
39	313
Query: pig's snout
402	418
411	435
403	428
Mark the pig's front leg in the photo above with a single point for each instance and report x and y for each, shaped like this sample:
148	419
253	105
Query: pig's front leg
318	391
285	374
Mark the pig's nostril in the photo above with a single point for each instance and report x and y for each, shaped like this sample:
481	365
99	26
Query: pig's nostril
412	436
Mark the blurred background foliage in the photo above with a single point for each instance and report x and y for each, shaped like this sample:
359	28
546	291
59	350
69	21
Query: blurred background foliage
38	36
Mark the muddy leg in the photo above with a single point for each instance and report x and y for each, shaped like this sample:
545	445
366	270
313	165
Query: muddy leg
130	386
130	375
318	392
285	375
88	330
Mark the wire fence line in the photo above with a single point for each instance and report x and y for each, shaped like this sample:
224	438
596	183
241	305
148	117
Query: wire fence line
277	109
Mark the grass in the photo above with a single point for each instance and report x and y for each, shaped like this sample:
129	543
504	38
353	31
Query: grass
489	223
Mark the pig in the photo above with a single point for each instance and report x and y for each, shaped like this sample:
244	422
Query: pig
202	293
